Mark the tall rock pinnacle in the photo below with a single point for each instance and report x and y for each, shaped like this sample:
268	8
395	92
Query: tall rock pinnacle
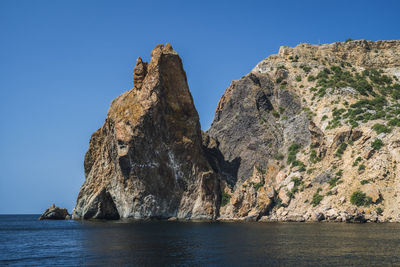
147	160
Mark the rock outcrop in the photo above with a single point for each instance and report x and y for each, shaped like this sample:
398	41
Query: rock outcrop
147	160
55	213
310	134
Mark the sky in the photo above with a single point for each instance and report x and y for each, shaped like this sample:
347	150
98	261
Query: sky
63	62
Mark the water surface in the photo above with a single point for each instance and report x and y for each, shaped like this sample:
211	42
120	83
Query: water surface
26	241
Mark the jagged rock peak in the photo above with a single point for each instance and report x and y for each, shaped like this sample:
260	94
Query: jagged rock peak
139	73
140	70
147	159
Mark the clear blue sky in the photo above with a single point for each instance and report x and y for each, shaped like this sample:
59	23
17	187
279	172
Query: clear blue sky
62	62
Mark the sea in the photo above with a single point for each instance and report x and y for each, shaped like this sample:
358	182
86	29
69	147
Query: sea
25	241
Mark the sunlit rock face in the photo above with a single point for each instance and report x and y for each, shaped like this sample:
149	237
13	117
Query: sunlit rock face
147	160
310	134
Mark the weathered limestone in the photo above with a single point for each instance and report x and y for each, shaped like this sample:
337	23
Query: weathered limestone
55	213
278	104
280	147
147	160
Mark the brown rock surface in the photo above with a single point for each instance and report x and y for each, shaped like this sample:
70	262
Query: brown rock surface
290	141
372	191
316	98
55	213
147	160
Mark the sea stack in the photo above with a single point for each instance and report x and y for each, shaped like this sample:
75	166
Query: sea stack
147	160
55	213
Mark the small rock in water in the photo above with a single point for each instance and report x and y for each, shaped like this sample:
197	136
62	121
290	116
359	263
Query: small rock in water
55	213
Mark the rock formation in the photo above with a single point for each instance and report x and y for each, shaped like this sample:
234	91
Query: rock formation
147	160
310	134
55	213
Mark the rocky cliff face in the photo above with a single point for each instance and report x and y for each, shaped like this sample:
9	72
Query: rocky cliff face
147	160
311	134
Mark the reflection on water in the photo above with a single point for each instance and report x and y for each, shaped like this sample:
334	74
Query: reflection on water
196	243
244	243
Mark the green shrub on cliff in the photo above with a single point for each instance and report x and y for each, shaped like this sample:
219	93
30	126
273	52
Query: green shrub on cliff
279	156
358	160
335	180
361	167
377	144
313	156
292	152
394	122
225	199
317	198
380	128
278	203
258	186
359	198
340	150
306	68
379	211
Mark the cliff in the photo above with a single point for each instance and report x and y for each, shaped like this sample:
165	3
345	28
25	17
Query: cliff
312	134
309	134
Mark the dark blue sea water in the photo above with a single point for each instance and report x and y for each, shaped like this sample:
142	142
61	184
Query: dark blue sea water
26	241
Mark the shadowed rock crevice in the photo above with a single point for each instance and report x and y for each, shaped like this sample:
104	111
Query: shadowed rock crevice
102	207
227	170
245	126
246	134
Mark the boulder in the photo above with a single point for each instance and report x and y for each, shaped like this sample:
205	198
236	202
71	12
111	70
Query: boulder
354	215
372	191
283	195
290	186
319	216
323	177
55	213
331	214
295	218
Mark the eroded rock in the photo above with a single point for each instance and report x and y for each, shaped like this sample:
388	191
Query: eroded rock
147	160
55	213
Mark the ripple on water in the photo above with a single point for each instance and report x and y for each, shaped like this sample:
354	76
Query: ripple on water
26	241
